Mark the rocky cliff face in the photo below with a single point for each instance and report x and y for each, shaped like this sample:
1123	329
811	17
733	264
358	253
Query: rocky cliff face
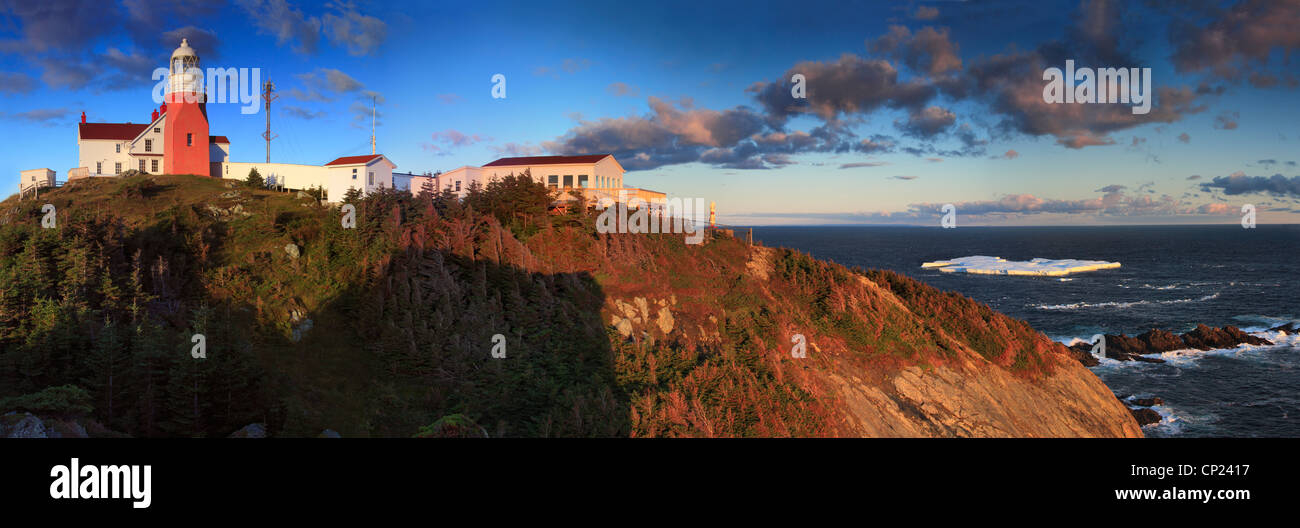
937	380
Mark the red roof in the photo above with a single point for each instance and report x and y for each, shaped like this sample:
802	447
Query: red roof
548	160
354	160
122	131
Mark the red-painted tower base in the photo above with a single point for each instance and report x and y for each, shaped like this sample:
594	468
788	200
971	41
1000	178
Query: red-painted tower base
186	143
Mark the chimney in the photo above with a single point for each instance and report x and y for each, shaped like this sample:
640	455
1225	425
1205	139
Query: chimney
155	116
162	109
83	116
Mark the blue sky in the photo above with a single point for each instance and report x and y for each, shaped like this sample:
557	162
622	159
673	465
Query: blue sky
910	105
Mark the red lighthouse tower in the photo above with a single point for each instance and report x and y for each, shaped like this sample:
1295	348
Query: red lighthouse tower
186	134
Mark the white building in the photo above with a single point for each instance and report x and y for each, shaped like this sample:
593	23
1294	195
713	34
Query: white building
366	173
35	179
109	149
594	175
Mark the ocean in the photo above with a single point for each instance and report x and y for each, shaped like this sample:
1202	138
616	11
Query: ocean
1172	277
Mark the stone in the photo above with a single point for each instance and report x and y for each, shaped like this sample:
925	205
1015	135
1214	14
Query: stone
292	250
230	194
1147	402
624	327
253	430
28	427
665	320
300	331
1145	416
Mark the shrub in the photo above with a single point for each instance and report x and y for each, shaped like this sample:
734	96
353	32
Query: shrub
255	179
65	400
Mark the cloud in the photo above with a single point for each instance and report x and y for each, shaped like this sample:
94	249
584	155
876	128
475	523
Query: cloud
1194	177
449	98
858	164
669	135
1010	154
1113	203
904	177
850	85
575	65
1218	209
64	39
16	83
1239	183
569	66
1084	139
927	51
1238	41
516	150
928	122
301	113
288	25
42	116
622	89
1184	138
458	139
360	34
324	85
1227	120
926	13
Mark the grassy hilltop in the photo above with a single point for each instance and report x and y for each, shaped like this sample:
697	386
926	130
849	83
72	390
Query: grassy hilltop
387	329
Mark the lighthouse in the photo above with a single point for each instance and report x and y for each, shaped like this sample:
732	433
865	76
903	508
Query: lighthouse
187	115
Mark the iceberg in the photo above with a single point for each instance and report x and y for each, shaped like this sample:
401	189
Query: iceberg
1037	267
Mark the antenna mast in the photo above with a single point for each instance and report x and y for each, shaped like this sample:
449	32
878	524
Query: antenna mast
268	95
372	124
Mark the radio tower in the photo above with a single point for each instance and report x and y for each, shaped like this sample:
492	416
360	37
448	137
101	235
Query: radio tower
372	124
268	95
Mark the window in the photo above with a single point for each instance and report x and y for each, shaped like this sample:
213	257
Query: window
552	181
99	167
354	174
117	168
370	178
119	148
457	185
568	181
148	145
157	130
141	165
189	140
153	166
582	181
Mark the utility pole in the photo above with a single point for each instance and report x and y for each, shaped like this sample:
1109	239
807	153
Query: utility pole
372	124
268	95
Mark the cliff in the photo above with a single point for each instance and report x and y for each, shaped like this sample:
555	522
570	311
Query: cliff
497	318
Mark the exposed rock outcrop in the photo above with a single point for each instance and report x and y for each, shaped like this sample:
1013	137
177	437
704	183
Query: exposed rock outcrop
1155	341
